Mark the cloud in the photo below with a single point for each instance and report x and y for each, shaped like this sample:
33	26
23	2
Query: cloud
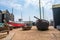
36	3
47	3
16	5
11	4
32	2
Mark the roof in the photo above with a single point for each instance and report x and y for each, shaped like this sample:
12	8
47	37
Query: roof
55	5
5	11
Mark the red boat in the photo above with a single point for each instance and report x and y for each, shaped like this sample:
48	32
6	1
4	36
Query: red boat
16	24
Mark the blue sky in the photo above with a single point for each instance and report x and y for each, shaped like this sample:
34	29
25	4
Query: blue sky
28	8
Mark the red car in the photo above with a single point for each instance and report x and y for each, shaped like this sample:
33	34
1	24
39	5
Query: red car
17	24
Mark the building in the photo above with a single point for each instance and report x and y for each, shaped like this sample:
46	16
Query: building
12	17
6	15
0	16
20	20
56	15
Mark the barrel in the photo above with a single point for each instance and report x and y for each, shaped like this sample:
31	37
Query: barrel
56	14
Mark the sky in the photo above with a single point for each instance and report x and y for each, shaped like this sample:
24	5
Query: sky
28	8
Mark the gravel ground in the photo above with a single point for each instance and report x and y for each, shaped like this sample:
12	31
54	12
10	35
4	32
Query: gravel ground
34	34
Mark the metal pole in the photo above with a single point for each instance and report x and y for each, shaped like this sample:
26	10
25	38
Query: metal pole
43	11
29	18
12	10
40	8
29	21
21	15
